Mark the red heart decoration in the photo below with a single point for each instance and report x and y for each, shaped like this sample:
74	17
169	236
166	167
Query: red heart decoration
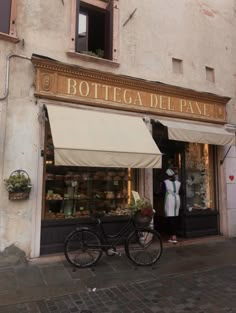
231	177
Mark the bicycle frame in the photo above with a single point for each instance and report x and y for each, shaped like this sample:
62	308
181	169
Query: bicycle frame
117	237
84	246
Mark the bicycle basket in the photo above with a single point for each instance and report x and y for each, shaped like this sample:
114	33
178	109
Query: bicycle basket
142	221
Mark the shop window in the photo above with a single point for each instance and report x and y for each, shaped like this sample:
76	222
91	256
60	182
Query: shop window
7	20
78	192
200	184
96	28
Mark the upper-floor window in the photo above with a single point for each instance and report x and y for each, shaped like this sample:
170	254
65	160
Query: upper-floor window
7	20
96	28
210	74
177	66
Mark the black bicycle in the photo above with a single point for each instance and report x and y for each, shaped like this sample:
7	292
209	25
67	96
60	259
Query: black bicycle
84	246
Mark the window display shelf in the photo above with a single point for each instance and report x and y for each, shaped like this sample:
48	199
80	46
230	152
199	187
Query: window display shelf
89	199
71	192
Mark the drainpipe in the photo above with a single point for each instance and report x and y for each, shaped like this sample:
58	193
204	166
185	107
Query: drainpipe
8	72
6	93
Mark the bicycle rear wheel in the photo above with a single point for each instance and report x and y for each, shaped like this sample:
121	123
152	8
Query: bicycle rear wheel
83	248
144	247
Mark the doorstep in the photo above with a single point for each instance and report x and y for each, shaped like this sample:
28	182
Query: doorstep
192	241
59	257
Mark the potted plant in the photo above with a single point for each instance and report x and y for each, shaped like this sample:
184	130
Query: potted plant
18	185
142	211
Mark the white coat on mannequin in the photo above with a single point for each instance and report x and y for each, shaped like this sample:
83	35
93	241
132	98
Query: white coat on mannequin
172	198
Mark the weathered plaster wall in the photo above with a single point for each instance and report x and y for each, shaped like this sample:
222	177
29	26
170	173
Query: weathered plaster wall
230	173
20	149
201	33
198	32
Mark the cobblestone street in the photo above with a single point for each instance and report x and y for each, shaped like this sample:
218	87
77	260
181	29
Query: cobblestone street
205	283
208	291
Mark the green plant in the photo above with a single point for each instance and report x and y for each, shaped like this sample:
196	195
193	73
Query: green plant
18	182
142	206
97	53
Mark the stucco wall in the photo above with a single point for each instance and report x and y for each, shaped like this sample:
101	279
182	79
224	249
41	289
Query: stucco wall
20	149
201	33
230	174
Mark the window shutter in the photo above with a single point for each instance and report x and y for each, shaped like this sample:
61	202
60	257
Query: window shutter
77	25
109	31
5	15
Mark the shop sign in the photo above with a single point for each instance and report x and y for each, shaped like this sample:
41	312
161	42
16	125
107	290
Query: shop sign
102	89
154	102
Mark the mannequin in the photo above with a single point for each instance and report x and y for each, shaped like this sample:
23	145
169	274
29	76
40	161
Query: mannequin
171	189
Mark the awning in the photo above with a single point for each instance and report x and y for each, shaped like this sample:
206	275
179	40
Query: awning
90	138
199	132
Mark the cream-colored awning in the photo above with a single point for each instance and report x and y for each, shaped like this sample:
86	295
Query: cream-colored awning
91	138
198	132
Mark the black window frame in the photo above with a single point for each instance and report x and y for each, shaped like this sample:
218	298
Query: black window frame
107	46
5	16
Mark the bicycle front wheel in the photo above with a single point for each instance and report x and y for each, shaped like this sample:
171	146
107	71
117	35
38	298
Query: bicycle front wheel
144	247
83	248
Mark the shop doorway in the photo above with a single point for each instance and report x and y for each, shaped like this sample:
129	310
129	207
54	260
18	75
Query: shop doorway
195	167
173	157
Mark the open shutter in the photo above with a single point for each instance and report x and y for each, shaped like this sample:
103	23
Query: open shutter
82	24
109	31
83	31
5	15
77	25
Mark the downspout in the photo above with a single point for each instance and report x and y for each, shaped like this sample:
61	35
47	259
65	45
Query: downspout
8	72
6	93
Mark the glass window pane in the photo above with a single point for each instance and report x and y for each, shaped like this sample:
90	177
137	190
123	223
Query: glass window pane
200	194
82	28
5	13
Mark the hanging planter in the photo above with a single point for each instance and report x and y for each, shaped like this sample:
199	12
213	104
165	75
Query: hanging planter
18	185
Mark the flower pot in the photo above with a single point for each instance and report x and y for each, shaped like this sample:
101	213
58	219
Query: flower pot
18	185
18	195
142	221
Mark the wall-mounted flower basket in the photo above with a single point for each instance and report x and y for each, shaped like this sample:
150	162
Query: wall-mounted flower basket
18	195
18	185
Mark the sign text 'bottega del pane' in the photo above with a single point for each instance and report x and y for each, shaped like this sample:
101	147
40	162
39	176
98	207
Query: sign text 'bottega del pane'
156	102
59	81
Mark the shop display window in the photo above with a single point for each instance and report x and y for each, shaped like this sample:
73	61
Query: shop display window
200	184
75	192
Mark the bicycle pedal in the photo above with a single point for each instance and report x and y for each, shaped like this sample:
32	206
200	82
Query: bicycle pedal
117	253
113	252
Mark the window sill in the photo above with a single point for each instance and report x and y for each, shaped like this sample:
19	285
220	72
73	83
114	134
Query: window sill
10	38
92	59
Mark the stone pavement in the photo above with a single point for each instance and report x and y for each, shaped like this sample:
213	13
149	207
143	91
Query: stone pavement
189	277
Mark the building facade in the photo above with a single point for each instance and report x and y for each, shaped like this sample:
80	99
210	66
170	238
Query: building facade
99	98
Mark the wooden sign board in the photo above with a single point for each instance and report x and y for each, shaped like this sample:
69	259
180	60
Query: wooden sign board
55	80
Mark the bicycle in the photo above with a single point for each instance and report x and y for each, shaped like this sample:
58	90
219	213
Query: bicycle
84	246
